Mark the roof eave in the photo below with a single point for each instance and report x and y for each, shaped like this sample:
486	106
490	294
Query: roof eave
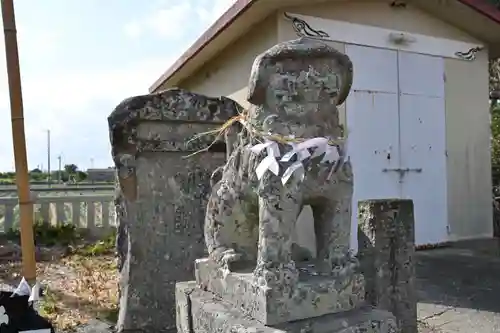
485	8
240	7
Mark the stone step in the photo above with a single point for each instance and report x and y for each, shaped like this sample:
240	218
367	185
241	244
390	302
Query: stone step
199	311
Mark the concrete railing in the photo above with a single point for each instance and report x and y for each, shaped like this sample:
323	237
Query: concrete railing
83	211
60	188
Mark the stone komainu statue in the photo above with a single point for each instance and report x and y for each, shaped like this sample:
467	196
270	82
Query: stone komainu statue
294	88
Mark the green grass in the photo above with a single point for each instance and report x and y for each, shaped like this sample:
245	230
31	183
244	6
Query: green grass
98	248
68	235
49	235
7	181
110	315
48	304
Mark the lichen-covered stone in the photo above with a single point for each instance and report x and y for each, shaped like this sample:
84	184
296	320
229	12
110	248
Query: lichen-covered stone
210	314
294	87
386	249
161	198
252	280
312	296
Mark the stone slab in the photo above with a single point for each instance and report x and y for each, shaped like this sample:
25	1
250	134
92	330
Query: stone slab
209	313
161	197
183	291
313	296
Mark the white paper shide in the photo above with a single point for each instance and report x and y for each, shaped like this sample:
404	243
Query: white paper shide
319	146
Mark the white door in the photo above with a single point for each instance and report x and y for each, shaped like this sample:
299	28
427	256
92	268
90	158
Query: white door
372	126
423	143
391	95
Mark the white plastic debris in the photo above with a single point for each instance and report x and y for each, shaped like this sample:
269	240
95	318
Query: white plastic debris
23	289
35	293
4	318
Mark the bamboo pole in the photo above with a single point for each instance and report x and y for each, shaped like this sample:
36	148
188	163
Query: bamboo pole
19	141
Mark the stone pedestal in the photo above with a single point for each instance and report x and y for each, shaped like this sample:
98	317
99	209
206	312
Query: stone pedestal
232	301
311	296
201	311
386	250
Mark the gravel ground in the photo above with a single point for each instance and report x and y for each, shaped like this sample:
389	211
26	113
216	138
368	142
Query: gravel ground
458	288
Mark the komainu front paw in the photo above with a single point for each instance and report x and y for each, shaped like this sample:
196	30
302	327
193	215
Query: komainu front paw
226	256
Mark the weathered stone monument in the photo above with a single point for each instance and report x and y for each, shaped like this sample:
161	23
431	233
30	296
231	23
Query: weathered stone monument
161	198
386	249
288	154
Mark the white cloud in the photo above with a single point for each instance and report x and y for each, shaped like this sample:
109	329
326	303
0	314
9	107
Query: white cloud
133	29
77	88
209	14
74	103
65	103
171	19
43	43
166	22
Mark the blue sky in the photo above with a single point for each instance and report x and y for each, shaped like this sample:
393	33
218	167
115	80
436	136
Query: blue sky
80	58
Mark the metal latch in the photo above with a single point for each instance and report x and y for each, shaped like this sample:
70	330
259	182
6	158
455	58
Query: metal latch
403	170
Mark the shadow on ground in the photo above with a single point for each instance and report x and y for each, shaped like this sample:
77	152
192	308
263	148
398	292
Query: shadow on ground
465	275
459	287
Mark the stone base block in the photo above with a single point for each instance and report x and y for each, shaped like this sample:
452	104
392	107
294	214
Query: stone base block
313	296
208	314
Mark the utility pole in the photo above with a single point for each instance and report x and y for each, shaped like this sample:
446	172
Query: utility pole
91	167
59	173
19	141
49	176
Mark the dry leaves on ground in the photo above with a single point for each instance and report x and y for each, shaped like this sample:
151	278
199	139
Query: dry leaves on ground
77	288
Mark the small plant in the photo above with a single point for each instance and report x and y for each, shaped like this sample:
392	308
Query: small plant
100	247
49	235
48	304
110	315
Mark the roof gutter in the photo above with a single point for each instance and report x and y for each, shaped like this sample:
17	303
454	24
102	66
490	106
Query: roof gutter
485	8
